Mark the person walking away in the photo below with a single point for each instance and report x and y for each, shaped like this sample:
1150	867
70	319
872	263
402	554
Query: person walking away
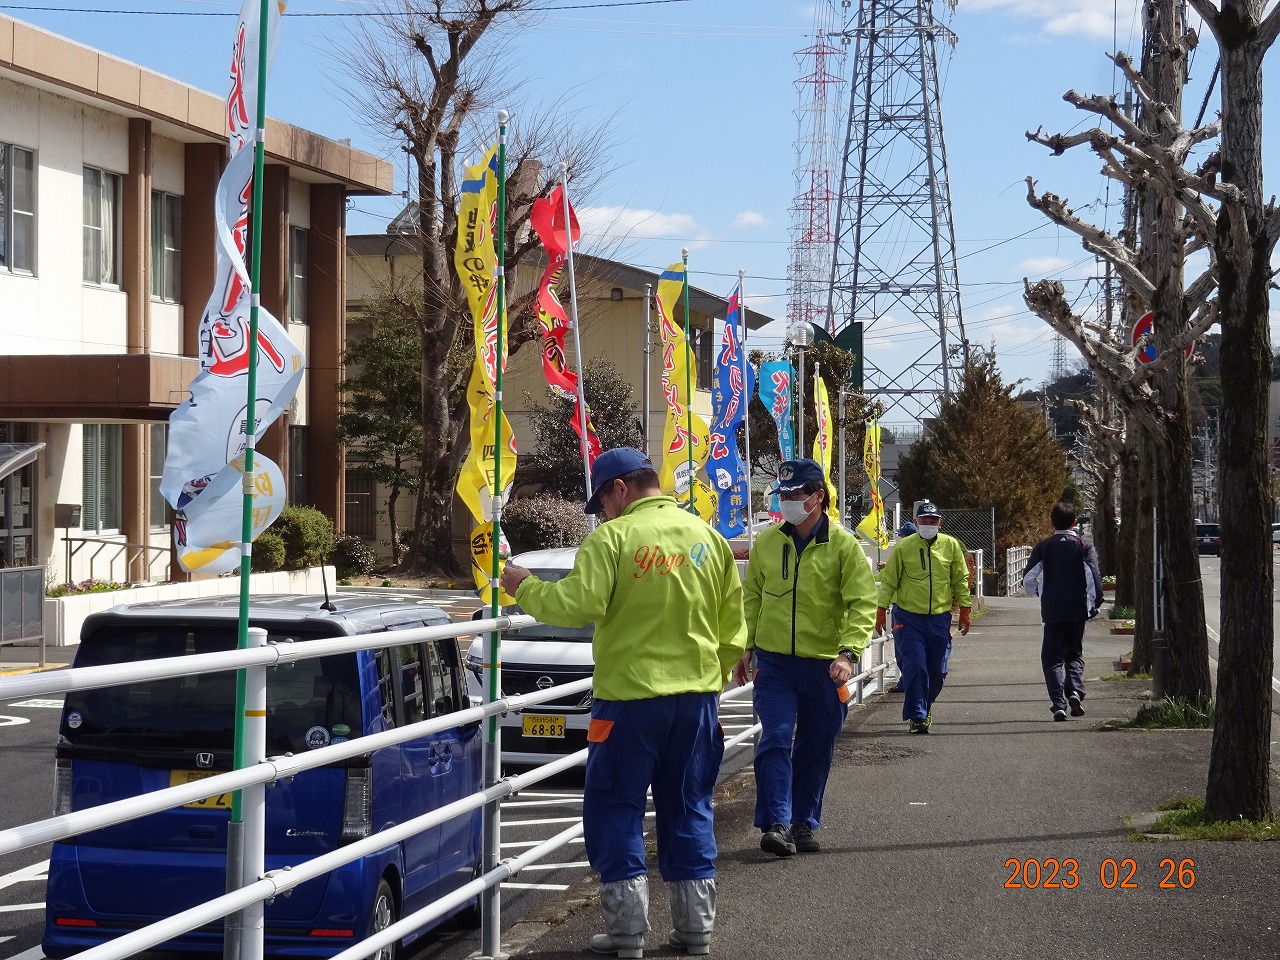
809	599
663	591
1063	572
927	573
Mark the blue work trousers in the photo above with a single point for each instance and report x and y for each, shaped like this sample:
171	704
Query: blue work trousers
672	744
922	645
800	717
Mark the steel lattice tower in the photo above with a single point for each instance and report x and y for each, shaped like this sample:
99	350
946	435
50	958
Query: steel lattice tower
894	264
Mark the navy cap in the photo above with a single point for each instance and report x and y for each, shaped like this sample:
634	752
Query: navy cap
794	474
928	508
611	465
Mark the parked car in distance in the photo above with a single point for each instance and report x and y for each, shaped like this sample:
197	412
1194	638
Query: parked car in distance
128	740
536	658
1209	538
1275	534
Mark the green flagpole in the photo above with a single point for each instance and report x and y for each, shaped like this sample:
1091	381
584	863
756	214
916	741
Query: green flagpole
490	940
688	377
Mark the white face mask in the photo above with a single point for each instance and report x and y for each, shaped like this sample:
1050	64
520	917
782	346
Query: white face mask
927	531
794	511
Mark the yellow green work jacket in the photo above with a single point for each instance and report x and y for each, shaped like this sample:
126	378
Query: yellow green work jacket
662	589
813	604
924	576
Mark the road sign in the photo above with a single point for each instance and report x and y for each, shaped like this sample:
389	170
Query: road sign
1140	330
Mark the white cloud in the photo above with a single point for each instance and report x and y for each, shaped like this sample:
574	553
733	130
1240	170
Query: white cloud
626	223
1060	18
749	219
1039	266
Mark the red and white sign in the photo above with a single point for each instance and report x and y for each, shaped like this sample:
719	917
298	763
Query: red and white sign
1141	329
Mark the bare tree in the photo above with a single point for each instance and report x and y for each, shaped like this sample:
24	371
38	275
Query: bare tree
1244	236
1150	158
423	75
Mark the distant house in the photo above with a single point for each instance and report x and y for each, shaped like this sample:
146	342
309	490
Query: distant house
611	306
107	180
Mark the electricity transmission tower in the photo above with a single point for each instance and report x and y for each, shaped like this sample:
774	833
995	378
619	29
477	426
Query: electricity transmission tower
894	265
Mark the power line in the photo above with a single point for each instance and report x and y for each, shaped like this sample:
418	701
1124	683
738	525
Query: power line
345	13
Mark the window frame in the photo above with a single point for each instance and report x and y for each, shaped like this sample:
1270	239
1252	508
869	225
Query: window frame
166	219
156	473
101	180
9	211
299	273
94	499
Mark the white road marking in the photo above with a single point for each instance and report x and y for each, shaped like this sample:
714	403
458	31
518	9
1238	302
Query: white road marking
43	704
37	871
526	844
558	887
577	864
548	822
7	939
14	908
509	804
35	953
13	721
1213	634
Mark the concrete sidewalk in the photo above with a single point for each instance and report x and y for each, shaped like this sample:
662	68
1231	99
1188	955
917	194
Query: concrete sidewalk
918	831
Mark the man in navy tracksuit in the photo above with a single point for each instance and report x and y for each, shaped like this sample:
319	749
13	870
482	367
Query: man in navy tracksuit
1063	573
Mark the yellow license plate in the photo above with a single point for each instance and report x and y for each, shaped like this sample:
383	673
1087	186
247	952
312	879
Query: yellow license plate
178	778
543	726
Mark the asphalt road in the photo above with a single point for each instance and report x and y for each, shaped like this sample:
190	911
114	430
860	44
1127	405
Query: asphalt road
1210	573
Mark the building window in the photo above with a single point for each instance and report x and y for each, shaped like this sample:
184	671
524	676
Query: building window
298	240
159	437
703	357
361	513
101	487
298	465
17	209
103	194
166	231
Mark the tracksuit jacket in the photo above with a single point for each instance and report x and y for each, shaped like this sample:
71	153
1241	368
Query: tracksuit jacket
1071	588
827	594
645	580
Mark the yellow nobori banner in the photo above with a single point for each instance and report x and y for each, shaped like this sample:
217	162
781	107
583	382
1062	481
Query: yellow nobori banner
682	428
872	525
823	439
475	259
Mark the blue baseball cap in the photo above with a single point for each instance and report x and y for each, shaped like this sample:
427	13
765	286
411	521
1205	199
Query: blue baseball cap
793	475
928	508
611	465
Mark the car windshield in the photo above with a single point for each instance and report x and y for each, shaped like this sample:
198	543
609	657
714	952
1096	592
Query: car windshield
199	711
547	631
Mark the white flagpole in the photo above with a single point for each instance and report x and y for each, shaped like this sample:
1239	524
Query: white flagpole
573	314
746	411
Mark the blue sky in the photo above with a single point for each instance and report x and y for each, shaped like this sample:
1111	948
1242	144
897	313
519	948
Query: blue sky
702	98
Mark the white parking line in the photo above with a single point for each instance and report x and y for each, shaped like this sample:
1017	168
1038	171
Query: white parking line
576	865
42	704
37	871
508	804
548	822
525	844
35	953
15	907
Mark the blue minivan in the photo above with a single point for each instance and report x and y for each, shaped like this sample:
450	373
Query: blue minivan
124	741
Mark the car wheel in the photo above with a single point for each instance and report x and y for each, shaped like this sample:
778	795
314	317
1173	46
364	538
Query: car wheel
382	916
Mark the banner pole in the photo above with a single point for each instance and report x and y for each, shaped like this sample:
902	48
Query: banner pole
746	410
644	380
490	899
236	935
844	489
688	378
577	339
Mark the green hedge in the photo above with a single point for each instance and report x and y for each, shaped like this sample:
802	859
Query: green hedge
543	521
308	537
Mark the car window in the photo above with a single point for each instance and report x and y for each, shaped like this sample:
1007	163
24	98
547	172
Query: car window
198	712
445	680
546	631
413	692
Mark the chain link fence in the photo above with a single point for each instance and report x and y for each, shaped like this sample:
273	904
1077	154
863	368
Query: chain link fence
976	529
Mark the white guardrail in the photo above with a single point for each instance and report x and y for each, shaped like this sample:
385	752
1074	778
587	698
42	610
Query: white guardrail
260	885
1015	561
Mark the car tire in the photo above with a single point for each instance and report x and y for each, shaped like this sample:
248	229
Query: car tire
382	915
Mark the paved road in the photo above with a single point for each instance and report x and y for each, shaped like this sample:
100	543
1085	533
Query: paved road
1210	572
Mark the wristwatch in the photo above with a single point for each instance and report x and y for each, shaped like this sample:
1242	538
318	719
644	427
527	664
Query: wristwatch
848	655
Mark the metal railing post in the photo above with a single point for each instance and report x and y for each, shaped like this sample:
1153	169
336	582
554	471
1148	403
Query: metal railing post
254	801
491	819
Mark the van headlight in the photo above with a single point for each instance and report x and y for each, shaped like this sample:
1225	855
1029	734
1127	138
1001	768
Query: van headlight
475	666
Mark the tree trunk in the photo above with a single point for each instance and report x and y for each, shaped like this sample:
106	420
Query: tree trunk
1126	535
392	497
1104	524
1239	774
1143	568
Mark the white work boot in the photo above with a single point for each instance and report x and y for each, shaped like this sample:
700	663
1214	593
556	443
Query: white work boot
625	904
693	915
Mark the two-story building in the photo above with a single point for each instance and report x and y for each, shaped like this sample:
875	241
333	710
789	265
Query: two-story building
107	181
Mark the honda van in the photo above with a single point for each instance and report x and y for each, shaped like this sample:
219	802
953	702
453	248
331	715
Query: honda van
128	740
538	658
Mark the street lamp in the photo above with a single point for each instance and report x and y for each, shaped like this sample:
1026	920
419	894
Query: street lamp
800	336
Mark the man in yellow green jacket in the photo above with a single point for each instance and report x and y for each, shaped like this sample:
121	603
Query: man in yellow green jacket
927	572
663	591
809	599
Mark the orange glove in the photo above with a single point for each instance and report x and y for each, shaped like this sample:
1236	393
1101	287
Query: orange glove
881	615
964	621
